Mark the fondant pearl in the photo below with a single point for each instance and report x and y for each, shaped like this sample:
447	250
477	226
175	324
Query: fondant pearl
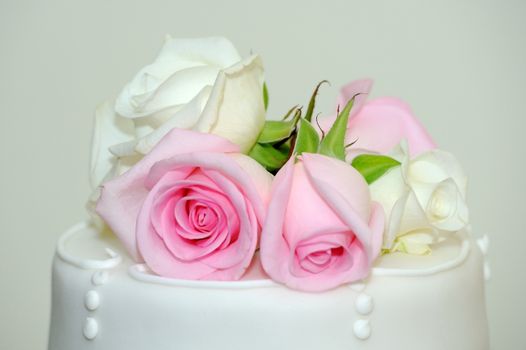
362	329
364	304
99	278
91	328
91	300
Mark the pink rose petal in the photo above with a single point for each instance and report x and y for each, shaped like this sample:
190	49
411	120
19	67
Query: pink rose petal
382	123
359	89
190	212
121	198
227	253
274	250
321	229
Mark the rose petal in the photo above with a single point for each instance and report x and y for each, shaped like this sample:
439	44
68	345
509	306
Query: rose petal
235	109
162	261
108	130
352	260
164	206
436	166
359	89
179	89
228	166
391	192
414	217
179	245
205	56
304	264
177	233
122	197
184	118
223	264
260	178
382	123
274	250
307	212
241	251
344	190
376	224
447	209
217	51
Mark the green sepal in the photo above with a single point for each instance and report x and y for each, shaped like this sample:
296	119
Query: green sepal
270	157
296	110
312	102
265	95
373	166
277	130
307	139
333	144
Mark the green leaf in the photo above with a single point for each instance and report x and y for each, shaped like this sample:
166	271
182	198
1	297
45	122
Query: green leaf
373	166
312	102
307	139
277	130
265	95
270	157
333	144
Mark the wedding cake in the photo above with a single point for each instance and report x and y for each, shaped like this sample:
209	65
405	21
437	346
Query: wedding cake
213	227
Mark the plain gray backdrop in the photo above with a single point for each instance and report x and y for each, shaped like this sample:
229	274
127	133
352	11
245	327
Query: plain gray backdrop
460	64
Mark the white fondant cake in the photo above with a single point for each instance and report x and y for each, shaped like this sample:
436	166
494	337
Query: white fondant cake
214	228
105	301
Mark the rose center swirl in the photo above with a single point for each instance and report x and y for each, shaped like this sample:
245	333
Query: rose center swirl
195	219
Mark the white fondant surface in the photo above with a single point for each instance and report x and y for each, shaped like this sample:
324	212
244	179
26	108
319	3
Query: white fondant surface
433	302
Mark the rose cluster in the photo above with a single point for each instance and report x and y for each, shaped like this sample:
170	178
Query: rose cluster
195	182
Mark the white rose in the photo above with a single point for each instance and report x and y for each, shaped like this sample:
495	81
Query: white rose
198	84
423	198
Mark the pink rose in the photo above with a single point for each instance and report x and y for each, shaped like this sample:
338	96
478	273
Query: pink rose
192	208
321	230
379	125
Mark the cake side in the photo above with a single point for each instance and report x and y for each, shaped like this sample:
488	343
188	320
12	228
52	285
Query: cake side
435	304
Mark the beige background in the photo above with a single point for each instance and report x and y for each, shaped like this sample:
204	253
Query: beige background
461	64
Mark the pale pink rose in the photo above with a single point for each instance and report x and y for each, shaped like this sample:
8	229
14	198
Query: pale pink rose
192	208
377	126
321	230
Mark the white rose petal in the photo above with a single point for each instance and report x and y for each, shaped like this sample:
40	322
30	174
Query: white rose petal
235	109
391	192
422	198
196	84
124	149
185	118
414	217
179	72
447	209
108	130
436	166
417	243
